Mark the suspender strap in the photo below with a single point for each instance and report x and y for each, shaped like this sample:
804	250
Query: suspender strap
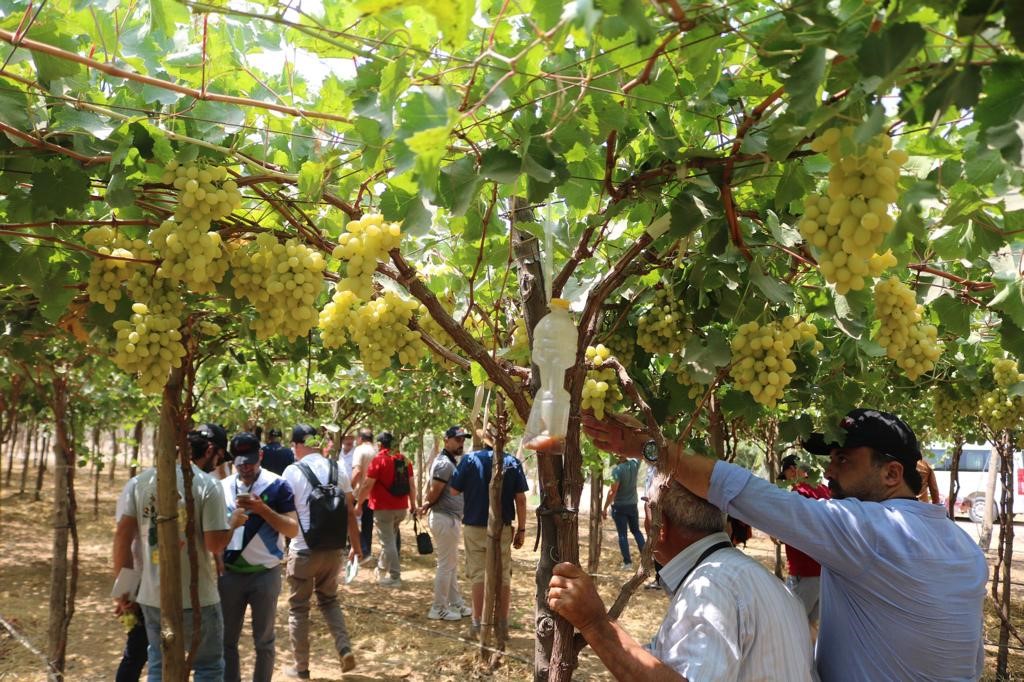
707	552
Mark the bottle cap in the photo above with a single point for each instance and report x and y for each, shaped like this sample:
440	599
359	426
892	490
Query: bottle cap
558	303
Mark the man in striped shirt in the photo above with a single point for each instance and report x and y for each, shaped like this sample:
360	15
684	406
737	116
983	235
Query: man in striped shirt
728	618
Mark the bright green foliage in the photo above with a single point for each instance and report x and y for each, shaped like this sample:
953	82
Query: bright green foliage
604	116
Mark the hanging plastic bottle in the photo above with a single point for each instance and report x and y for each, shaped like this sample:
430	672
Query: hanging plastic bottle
554	351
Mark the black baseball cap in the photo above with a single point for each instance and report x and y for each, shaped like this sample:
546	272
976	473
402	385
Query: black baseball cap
885	432
275	432
214	433
787	461
385	438
456	432
301	432
245	448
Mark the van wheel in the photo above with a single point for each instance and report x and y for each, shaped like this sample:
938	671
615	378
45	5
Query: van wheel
977	509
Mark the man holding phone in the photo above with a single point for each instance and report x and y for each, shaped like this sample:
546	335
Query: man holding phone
261	507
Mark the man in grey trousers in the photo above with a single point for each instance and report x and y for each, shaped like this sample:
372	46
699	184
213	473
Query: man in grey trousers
315	570
252	560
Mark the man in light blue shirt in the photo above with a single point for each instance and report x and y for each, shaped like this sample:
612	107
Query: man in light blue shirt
902	587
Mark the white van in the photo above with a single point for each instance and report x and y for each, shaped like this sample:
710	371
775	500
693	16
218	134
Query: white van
973	472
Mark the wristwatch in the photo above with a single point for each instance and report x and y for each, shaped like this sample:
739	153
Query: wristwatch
650	451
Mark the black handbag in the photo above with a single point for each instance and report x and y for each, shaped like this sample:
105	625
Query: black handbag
424	545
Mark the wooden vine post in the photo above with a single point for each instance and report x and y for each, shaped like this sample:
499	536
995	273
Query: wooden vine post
63	574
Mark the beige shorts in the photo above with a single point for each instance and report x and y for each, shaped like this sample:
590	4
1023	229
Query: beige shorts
475	540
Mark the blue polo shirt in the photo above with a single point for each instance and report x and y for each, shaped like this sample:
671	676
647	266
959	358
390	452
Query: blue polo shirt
902	586
473	476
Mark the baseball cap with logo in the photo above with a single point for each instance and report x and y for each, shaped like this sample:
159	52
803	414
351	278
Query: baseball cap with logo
882	431
385	438
245	448
301	432
456	432
275	432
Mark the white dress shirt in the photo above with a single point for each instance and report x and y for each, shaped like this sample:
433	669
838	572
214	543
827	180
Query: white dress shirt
730	619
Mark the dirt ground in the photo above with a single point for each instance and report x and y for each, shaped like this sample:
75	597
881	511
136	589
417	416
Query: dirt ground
392	638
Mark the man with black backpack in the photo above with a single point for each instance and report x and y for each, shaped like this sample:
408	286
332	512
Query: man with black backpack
388	486
323	500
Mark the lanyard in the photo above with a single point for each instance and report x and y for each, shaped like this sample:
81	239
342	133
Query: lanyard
707	552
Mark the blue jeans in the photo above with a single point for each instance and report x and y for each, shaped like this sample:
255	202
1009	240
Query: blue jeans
627	516
208	664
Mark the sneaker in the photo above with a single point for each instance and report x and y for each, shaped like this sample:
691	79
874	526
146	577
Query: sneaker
626	566
474	631
297	674
348	661
463	610
653	585
436	613
388	581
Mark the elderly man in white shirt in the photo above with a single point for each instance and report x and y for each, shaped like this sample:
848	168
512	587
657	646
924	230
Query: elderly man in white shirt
728	618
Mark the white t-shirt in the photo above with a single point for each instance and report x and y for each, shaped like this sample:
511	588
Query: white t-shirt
362	456
211	514
346	460
122	503
301	488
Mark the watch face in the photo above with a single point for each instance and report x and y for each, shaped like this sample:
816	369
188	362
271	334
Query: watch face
650	451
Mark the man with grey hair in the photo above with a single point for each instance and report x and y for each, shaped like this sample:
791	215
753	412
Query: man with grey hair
728	619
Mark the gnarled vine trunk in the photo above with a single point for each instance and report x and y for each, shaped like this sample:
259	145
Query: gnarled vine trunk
596	507
954	477
63	574
172	643
494	573
1001	578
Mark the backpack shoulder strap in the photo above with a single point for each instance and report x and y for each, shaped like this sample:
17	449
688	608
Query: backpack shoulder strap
308	473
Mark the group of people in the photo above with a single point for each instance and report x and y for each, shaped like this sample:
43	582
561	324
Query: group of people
895	586
280	515
899	586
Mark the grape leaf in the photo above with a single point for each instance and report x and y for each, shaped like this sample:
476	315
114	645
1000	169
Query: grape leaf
882	53
58	186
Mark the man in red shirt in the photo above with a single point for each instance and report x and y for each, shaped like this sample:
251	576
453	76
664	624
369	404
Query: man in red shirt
804	572
389	498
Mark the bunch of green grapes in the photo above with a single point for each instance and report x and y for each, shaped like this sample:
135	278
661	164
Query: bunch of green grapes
336	318
190	253
519	348
907	340
380	329
364	242
762	362
622	346
204	191
161	296
847	224
148	344
950	413
601	389
106	275
282	281
662	329
695	388
999	409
